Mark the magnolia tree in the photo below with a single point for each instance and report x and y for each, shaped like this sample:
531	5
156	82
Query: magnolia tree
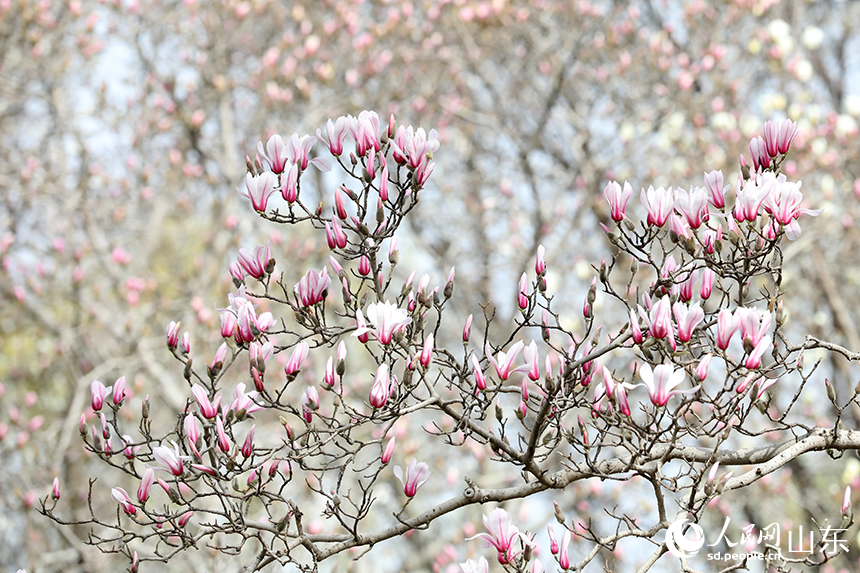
688	362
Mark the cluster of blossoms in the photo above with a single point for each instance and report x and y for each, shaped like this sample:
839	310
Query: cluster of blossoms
675	329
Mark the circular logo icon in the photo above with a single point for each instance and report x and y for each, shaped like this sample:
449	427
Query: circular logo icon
681	546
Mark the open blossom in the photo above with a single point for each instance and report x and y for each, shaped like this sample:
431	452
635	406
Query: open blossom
243	403
659	203
254	262
693	205
502	534
120	496
258	188
312	287
297	151
661	382
208	409
659	319
365	131
472	566
617	197
277	153
412	146
611	390
169	458
336	133
751	196
504	361
783	204
687	317
416	475
386	319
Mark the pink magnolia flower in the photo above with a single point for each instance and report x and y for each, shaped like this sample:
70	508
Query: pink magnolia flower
759	154
312	287
617	197
480	379
388	451
693	205
55	488
298	150
99	392
417	475
467	329
710	237
277	156
634	328
778	136
380	390
750	198
258	188
687	317
427	351
532	360
337	133
688	286
763	384
659	203
540	261
659	319
727	325
501	534
169	458
563	558
412	146
120	496
716	189
522	292
173	334
846	500
145	483
243	403
709	277
386	319
504	361
783	203
297	358
553	544
209	409
255	263
472	566
610	388
193	433
702	368
365	131
248	445
259	354
753	324
223	442
290	185
753	359
119	390
661	382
